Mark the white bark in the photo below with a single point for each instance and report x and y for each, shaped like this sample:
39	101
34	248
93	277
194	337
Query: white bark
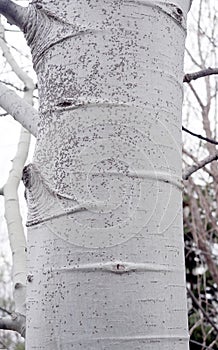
105	241
19	109
14	222
12	210
17	321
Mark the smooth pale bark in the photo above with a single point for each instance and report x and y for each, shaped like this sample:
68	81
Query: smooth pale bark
17	320
14	222
19	109
105	241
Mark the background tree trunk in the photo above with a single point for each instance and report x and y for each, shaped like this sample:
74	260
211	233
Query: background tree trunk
105	247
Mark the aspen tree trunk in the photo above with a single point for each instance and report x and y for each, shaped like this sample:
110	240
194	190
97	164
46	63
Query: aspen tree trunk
105	240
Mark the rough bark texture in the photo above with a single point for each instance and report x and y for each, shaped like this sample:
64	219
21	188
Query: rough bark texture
105	247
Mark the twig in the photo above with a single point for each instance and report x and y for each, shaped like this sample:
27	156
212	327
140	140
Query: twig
196	160
200	74
192	169
193	59
10	84
202	309
202	346
200	136
5	310
196	96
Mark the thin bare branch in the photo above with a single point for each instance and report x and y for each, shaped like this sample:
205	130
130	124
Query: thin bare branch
193	59
200	74
200	52
188	172
5	310
196	96
202	345
200	136
21	74
10	84
202	309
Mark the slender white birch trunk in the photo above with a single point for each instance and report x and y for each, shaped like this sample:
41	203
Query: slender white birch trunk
105	240
10	101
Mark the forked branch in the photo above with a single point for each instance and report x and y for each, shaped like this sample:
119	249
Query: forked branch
192	169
